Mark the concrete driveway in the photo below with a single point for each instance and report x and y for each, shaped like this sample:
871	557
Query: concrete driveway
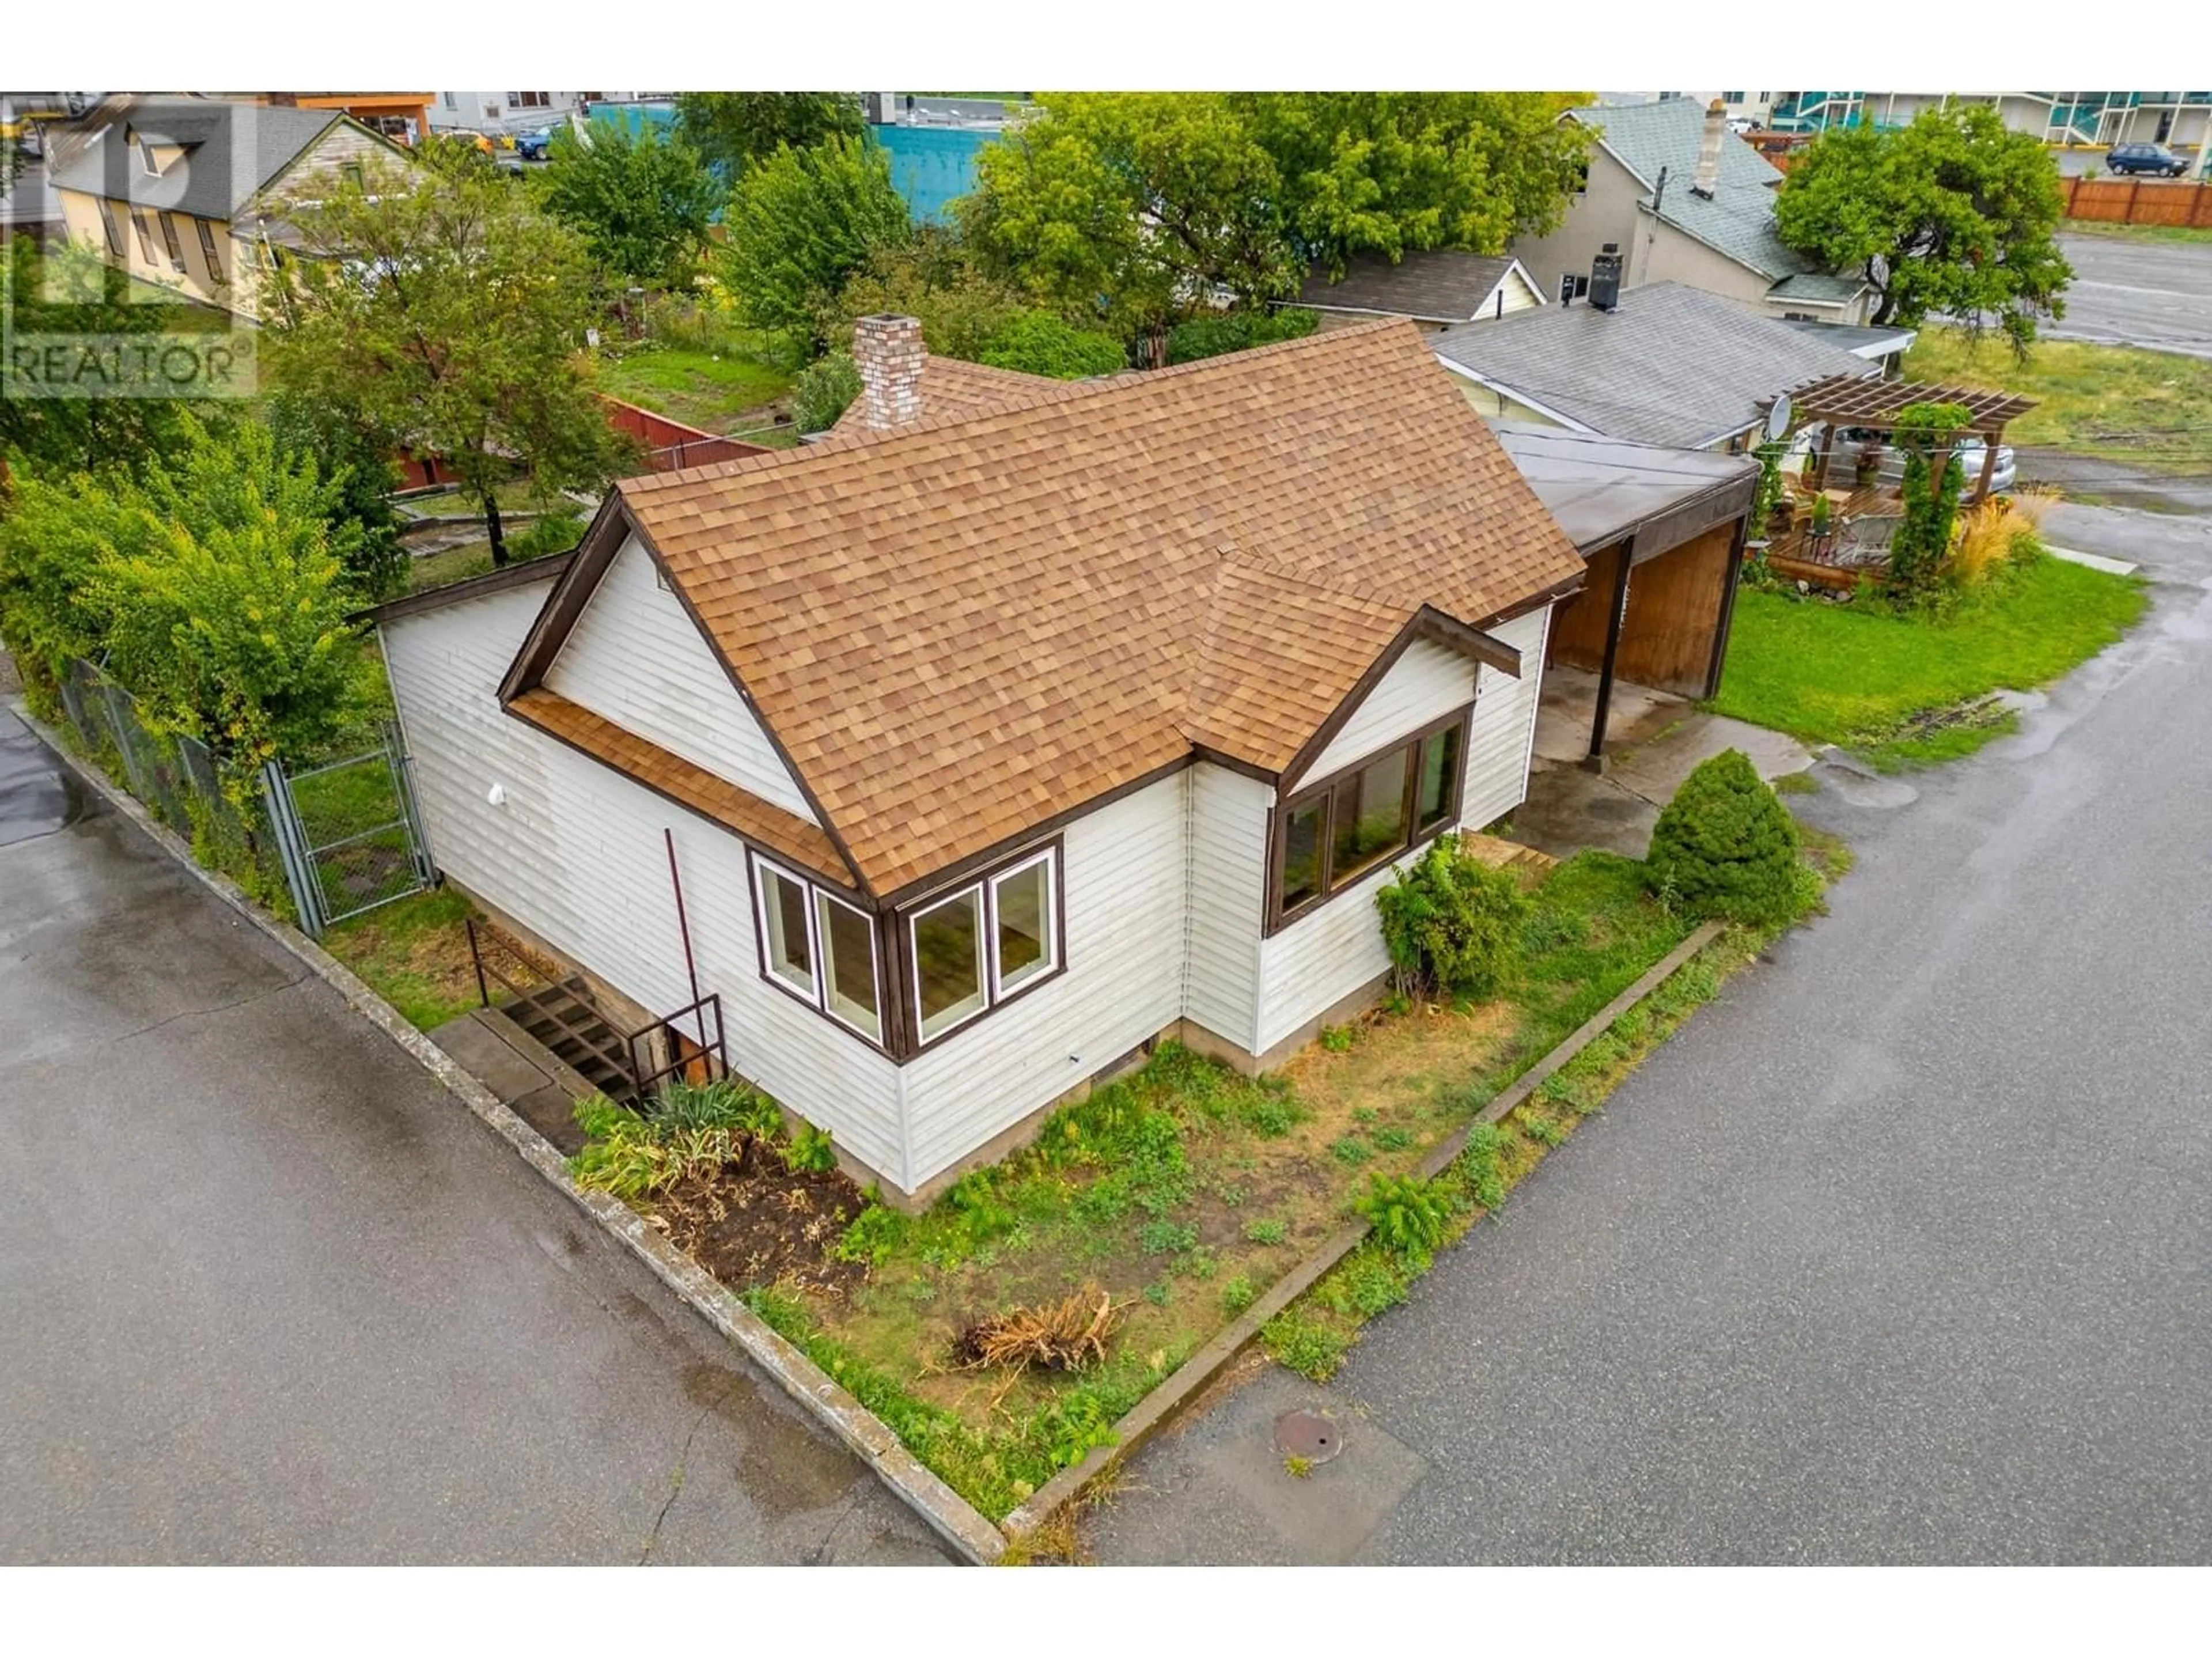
2153	294
270	1295
1898	1253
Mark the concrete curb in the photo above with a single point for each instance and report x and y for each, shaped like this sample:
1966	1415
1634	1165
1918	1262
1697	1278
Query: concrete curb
860	1430
2094	561
1147	1417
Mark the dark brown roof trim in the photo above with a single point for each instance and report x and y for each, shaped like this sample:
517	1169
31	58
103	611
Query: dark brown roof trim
469	587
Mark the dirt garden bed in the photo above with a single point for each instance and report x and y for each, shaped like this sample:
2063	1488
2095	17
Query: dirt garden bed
1176	1197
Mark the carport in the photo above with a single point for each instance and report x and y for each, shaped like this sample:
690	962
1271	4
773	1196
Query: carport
1662	531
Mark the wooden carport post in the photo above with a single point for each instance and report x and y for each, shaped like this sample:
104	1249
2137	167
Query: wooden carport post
1989	465
1595	760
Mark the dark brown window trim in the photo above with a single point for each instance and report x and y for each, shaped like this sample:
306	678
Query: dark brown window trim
1274	917
897	1008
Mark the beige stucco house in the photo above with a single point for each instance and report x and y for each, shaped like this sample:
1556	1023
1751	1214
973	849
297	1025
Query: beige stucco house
189	194
1686	200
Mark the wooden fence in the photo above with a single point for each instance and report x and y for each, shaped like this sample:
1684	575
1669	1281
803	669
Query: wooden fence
2139	202
670	445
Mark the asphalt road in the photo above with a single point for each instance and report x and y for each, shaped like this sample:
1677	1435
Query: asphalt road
2155	294
1898	1253
271	1295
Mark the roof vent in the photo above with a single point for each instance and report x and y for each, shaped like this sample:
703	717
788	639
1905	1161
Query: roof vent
1605	278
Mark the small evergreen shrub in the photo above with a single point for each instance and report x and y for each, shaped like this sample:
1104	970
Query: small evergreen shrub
1452	924
1409	1215
823	390
1726	847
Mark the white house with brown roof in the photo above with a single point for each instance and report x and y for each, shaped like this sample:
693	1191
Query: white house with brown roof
1001	734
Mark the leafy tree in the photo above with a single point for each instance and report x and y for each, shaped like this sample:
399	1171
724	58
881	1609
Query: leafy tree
1391	173
800	223
1726	846
213	585
446	311
933	279
356	462
1038	343
734	129
71	290
1955	213
1210	336
642	203
823	390
1133	201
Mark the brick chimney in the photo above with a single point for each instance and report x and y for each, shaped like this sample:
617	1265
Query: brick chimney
1709	154
888	351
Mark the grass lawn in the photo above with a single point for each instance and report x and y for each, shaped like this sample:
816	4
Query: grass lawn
1870	680
2086	394
1183	1191
2186	234
512	496
725	392
413	953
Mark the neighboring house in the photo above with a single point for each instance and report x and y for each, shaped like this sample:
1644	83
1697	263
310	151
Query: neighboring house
2058	118
190	195
1668	365
1434	289
993	744
1684	200
402	117
495	114
1885	347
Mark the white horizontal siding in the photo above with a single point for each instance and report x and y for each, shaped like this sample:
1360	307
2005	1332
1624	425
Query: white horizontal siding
576	855
1124	879
1505	724
1228	882
636	658
1426	682
1331	952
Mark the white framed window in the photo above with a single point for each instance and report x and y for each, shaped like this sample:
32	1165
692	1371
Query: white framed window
818	948
787	931
1024	945
850	987
945	941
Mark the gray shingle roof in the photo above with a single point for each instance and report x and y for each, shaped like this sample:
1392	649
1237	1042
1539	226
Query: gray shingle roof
1599	488
231	152
1440	286
1739	220
1672	365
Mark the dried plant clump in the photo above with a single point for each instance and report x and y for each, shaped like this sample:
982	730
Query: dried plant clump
1061	1336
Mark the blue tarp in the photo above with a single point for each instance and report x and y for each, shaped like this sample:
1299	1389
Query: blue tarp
930	166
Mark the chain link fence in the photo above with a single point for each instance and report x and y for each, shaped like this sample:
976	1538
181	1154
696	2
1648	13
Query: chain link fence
175	777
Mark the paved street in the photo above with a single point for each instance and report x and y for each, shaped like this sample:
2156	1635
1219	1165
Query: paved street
270	1295
2125	292
1896	1253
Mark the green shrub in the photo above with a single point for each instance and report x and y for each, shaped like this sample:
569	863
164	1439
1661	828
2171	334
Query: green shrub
1726	847
1409	1216
548	532
1237	1295
873	1236
1452	923
823	390
1307	1343
810	1152
1234	331
1038	343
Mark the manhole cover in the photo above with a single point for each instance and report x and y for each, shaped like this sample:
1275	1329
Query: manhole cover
1308	1434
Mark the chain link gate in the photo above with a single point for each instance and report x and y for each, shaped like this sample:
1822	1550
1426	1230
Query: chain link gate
350	832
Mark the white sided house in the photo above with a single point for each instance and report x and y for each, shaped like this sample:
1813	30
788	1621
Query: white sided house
1016	727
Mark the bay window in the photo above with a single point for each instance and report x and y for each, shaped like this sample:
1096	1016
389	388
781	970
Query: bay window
818	948
974	948
1332	833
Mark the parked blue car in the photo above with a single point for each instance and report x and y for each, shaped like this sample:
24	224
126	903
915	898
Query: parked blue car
2146	158
534	146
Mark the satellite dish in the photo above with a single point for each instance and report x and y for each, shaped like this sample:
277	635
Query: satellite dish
1777	418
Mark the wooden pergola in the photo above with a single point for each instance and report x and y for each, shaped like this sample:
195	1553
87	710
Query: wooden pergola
1843	400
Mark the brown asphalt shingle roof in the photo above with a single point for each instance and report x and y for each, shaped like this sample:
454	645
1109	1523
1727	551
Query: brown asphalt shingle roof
966	625
952	386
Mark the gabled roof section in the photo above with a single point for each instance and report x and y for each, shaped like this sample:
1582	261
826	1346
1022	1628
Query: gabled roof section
232	152
1738	220
1442	285
964	627
1670	365
950	386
